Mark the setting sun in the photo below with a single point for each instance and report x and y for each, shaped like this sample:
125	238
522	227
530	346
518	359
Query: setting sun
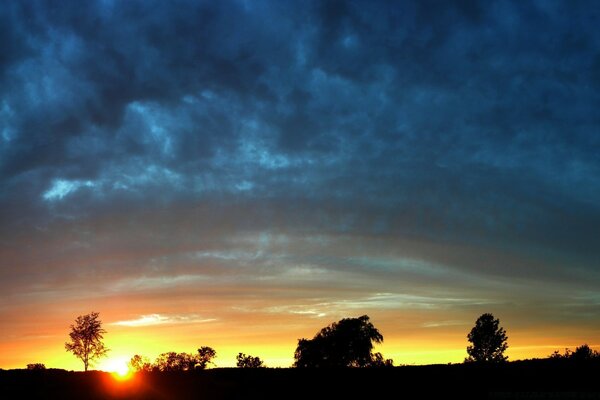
118	367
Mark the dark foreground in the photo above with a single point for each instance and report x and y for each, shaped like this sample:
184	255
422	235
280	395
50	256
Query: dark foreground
517	380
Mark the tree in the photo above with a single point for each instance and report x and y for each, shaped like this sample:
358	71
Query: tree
172	361
86	339
139	363
488	341
205	356
377	361
346	343
36	366
247	361
557	356
584	352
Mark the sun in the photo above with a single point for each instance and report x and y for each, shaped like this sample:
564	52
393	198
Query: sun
118	368
122	370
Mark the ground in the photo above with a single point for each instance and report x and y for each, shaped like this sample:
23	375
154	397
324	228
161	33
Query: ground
518	380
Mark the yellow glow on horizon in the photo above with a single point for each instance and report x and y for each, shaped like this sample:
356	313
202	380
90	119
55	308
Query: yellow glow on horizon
403	352
123	374
274	340
117	366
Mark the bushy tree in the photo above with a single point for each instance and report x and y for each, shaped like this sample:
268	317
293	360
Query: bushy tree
86	339
346	343
172	361
36	367
583	352
140	363
205	356
557	355
378	361
247	361
488	341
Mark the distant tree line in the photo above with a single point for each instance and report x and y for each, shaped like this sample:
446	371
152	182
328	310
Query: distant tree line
346	343
581	353
173	361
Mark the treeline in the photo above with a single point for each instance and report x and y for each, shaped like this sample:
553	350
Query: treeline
173	361
581	353
346	343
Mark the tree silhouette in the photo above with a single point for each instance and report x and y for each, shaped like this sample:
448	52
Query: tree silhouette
139	363
36	366
247	361
488	341
173	361
557	356
205	356
347	343
377	361
584	352
86	339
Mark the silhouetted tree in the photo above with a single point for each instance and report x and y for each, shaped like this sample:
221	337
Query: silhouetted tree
377	361
172	361
86	339
347	343
247	361
167	362
139	363
205	356
488	341
36	366
584	352
556	354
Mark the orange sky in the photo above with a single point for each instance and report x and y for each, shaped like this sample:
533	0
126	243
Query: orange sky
258	292
410	336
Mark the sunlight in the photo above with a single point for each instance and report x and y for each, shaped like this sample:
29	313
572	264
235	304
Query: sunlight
118	368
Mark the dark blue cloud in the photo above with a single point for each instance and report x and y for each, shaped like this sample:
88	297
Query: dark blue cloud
454	121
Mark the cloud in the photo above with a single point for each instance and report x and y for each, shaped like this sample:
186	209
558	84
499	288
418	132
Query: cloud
158	319
61	188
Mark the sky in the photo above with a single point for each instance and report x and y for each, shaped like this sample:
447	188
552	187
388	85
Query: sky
240	174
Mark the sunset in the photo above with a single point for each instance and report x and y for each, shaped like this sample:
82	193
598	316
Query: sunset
242	174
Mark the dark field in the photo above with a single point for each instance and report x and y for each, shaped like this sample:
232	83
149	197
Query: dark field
517	380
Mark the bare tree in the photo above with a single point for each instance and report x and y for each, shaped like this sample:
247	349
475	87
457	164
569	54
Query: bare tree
86	339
